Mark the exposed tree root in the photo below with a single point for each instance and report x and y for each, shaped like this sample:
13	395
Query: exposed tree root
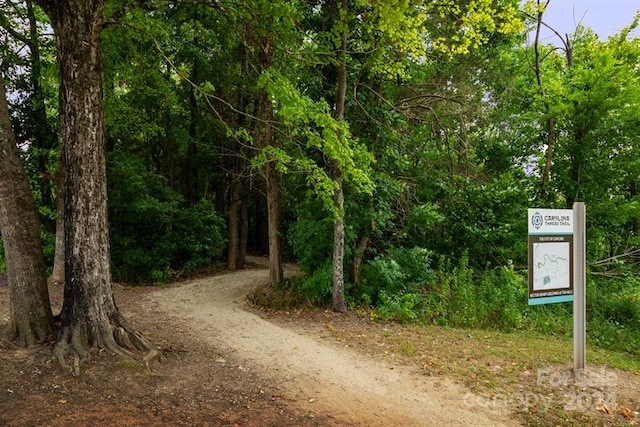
116	337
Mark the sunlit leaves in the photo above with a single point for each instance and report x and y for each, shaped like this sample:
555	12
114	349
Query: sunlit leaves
310	126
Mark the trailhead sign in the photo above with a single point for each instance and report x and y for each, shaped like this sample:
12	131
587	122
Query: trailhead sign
550	255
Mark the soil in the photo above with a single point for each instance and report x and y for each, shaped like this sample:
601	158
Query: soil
225	363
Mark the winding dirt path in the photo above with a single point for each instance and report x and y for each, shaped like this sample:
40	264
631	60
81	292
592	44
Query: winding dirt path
318	377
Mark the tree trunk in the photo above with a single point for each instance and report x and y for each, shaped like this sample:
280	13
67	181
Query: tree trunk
89	314
550	122
550	138
234	225
57	275
358	257
244	231
339	303
273	214
191	167
276	274
31	321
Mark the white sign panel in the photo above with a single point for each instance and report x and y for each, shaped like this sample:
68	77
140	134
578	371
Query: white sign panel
551	265
550	221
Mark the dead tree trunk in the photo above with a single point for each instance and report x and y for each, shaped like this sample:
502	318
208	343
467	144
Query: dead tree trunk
89	314
31	320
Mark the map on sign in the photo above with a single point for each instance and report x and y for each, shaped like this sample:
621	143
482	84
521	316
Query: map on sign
551	265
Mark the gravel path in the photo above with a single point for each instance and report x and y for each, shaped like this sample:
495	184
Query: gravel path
319	378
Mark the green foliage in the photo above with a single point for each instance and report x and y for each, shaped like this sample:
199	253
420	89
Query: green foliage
311	239
456	296
613	313
483	219
400	307
466	307
154	237
400	272
312	124
318	286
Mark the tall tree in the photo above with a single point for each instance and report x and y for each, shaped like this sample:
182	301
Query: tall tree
31	319
338	300
90	317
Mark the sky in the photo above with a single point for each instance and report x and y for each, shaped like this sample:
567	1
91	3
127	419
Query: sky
604	17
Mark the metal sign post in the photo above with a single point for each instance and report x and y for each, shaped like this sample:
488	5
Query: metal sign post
557	266
579	288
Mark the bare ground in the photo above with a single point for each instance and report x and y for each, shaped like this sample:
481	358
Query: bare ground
224	364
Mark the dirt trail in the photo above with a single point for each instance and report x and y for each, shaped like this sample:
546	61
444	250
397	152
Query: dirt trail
319	378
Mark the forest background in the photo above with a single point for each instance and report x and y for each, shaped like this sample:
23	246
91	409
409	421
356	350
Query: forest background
390	148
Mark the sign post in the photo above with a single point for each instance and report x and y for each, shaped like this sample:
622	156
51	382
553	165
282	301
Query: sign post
579	281
557	266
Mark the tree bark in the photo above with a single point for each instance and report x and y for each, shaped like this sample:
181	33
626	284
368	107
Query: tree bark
191	168
276	274
550	122
57	275
339	303
550	137
89	314
31	320
358	257
234	225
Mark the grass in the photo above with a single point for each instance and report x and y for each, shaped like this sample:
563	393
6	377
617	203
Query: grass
527	373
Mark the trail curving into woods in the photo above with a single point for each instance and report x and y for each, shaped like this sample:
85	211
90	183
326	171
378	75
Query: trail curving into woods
319	377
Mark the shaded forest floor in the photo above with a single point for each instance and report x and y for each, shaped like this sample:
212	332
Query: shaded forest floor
224	363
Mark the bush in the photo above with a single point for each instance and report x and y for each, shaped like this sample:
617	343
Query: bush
613	313
317	287
154	236
400	307
407	290
311	241
401	271
466	306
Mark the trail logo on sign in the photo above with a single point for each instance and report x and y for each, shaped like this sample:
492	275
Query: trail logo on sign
537	220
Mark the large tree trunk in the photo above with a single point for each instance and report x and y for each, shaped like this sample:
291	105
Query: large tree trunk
276	273
339	303
31	320
89	314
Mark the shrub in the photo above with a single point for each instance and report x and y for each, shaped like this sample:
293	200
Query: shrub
400	307
401	271
154	236
317	287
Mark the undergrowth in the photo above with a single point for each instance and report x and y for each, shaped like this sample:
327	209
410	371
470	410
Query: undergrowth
409	286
